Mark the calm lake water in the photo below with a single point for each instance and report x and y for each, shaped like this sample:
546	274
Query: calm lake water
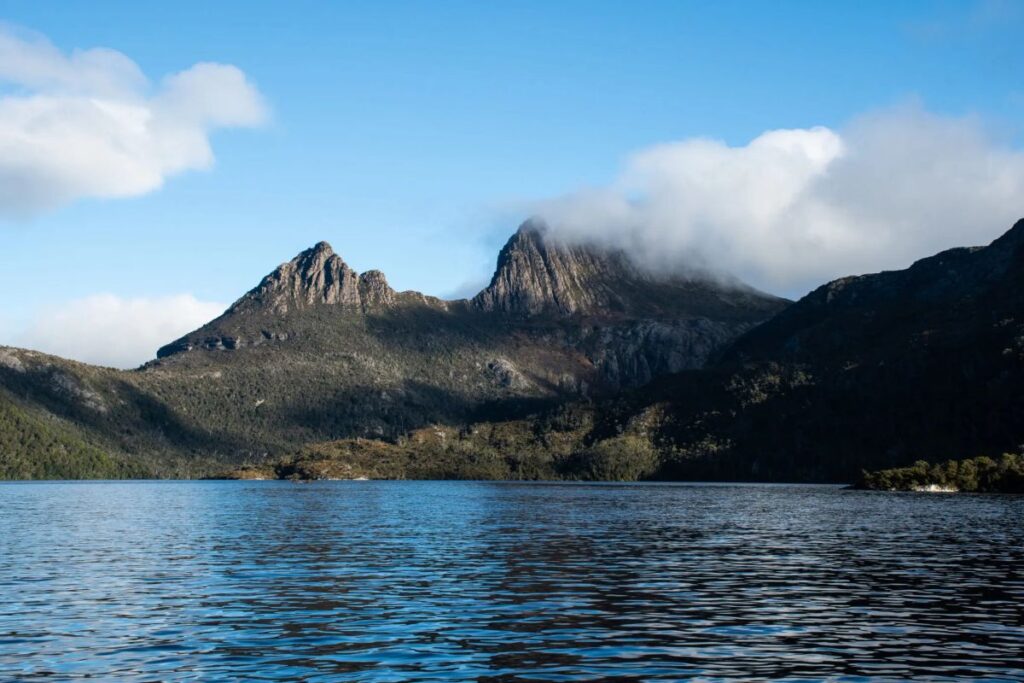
408	581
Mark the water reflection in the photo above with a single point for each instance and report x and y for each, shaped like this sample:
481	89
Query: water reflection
511	582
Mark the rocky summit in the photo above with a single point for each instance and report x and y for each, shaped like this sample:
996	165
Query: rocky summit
616	325
317	351
540	275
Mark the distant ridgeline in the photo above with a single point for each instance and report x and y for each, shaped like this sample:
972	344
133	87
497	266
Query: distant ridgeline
573	363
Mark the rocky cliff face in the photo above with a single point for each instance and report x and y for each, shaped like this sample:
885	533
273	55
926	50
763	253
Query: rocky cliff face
539	275
630	324
314	277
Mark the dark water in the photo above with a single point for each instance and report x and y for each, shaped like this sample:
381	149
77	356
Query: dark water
369	581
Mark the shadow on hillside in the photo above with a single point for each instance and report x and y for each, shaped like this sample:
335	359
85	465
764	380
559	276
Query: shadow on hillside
388	414
117	413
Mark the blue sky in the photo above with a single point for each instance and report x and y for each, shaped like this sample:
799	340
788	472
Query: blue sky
415	136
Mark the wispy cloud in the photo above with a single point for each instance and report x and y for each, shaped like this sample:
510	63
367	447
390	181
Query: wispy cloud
974	20
793	208
91	124
114	331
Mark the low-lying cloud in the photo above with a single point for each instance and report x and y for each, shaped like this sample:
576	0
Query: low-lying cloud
91	124
794	208
118	332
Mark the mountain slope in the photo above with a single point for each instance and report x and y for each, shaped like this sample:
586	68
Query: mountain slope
317	351
866	372
863	373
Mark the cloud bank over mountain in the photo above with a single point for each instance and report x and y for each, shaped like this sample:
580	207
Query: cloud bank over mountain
90	124
794	208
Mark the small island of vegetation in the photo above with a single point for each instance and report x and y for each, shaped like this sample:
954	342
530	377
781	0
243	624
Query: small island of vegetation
974	475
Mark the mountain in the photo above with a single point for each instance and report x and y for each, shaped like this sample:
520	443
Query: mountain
862	373
317	351
538	274
949	301
571	363
865	372
646	325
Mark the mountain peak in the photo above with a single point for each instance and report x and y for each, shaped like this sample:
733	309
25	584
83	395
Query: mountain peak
315	276
535	276
537	273
533	227
322	247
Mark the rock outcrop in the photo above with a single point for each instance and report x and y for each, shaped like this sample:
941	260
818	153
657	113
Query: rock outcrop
536	276
540	275
314	277
374	291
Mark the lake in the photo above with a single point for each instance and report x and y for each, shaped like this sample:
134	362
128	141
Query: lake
418	581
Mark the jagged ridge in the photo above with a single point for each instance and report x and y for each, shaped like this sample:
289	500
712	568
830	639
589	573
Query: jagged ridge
318	351
536	276
317	276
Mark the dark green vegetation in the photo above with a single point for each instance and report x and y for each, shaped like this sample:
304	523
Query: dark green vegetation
977	475
41	447
571	364
556	445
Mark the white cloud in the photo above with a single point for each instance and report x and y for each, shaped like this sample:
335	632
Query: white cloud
795	208
118	332
90	124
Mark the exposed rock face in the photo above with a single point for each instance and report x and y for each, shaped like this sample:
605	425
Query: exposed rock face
537	274
319	276
316	276
10	361
506	374
634	354
76	390
374	292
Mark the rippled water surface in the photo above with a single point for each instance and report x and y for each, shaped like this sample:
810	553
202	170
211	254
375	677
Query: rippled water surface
407	581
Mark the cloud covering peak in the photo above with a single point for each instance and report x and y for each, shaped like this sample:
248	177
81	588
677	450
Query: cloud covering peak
91	124
794	208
